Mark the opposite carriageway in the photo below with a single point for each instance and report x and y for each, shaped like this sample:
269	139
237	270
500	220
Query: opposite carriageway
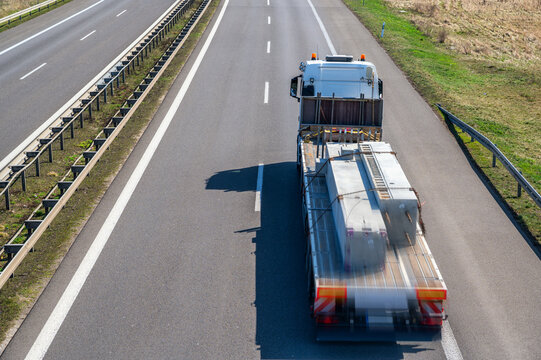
8	20
17	168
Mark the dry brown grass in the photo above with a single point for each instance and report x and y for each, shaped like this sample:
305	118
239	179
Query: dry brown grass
11	6
504	30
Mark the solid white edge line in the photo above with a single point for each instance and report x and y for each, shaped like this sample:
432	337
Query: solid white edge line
84	37
449	344
259	187
448	341
266	98
33	71
55	320
49	28
268	47
5	161
268	20
322	27
122	12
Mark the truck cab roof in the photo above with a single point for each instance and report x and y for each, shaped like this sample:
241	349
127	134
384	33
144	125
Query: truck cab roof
342	77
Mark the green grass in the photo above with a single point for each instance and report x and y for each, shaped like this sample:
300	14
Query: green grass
500	100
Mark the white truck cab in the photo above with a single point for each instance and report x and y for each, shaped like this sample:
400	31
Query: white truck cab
338	90
340	76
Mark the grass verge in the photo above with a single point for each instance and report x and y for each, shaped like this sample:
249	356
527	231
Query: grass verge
21	292
24	202
21	5
497	97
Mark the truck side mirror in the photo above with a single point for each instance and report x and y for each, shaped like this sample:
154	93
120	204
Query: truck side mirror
294	87
380	87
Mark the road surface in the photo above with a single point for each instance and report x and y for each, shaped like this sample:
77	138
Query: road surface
192	271
47	60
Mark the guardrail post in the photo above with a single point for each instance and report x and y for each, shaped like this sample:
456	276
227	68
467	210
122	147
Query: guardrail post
23	180
48	204
105	94
81	120
90	111
98	103
4	185
32	154
71	130
519	188
123	76
112	90
493	160
117	81
16	169
63	186
76	170
31	225
50	148
59	130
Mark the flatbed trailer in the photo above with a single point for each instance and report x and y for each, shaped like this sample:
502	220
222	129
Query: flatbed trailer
371	275
401	300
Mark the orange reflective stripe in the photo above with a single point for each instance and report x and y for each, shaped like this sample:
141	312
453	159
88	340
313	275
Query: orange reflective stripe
333	292
431	294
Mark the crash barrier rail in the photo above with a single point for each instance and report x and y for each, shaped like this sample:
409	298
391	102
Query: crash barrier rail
27	12
94	95
52	204
522	183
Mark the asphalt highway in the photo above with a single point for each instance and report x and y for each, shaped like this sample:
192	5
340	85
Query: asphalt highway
191	271
47	60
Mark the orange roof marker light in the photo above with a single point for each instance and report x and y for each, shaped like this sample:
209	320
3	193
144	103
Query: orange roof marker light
363	57
314	56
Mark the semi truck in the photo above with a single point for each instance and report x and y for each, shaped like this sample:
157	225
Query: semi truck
371	275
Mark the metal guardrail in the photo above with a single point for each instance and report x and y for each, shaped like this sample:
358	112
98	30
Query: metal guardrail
496	154
17	167
27	12
52	205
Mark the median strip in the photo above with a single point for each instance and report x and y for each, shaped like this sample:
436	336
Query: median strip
56	239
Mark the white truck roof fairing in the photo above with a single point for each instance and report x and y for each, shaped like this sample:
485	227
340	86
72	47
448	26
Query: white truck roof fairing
342	79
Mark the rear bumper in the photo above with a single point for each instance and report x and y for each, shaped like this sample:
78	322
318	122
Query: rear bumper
337	332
